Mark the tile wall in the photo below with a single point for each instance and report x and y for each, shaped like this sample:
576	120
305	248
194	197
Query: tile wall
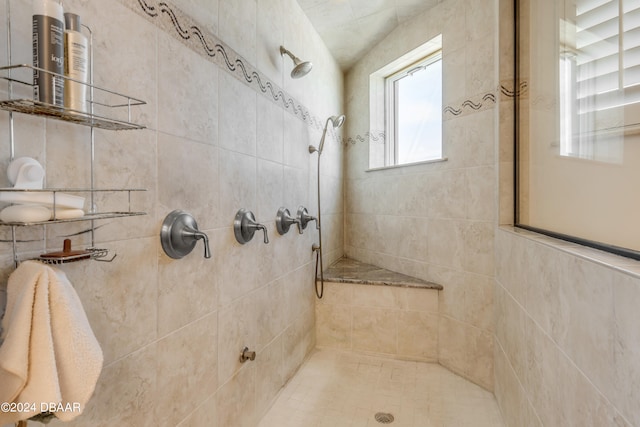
390	321
567	342
226	128
436	221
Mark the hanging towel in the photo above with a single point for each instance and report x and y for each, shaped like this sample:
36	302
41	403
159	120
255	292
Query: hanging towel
48	354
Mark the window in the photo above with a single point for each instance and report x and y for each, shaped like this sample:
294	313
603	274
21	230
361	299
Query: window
578	126
405	108
414	112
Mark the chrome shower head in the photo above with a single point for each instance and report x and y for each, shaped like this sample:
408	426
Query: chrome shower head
300	68
336	121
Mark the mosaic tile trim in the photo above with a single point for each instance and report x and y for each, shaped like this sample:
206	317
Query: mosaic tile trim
377	137
507	91
468	106
185	29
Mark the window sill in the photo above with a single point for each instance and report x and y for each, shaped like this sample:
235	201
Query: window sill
621	264
425	162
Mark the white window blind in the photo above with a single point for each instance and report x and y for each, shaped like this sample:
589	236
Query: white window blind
607	54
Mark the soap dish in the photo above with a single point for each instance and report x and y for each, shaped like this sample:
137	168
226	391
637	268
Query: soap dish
66	255
69	255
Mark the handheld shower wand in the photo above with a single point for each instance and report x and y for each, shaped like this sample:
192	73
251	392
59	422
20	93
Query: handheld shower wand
336	121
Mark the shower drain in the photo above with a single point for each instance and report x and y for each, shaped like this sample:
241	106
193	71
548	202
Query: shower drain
384	418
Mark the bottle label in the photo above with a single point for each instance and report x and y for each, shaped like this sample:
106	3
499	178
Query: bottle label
48	54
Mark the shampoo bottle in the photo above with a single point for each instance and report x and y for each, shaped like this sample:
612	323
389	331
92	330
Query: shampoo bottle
48	51
75	64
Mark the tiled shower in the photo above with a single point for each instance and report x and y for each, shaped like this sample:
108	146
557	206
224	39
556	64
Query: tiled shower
227	128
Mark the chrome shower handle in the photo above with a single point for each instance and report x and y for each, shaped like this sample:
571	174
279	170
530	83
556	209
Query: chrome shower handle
304	218
263	228
284	221
197	235
180	233
245	226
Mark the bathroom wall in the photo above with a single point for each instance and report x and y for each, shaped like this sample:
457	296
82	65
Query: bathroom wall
226	128
436	221
567	346
567	341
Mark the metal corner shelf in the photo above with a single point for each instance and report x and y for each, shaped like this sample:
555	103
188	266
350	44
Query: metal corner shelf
119	102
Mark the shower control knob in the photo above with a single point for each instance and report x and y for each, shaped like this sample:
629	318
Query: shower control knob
245	226
304	218
180	233
284	221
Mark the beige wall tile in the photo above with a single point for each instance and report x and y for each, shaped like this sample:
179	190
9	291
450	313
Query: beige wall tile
418	335
237	400
186	377
186	290
185	185
378	296
423	300
125	393
185	109
570	348
333	325
375	329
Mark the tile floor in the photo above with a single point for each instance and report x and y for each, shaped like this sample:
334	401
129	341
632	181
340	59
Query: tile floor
341	389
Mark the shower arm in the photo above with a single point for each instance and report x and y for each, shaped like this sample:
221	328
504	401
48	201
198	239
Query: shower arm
285	51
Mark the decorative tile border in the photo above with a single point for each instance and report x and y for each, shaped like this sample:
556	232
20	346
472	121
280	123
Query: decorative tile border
466	107
376	136
507	90
469	106
183	28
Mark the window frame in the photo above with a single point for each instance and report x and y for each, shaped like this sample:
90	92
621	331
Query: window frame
391	107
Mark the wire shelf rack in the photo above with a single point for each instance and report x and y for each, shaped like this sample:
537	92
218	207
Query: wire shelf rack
110	102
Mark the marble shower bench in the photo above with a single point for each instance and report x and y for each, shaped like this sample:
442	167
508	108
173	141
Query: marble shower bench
369	309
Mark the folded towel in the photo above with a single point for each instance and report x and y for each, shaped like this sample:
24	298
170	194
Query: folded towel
48	354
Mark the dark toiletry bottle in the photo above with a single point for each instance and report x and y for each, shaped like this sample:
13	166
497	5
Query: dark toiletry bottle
48	51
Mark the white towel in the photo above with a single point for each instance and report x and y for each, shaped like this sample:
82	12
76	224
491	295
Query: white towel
49	353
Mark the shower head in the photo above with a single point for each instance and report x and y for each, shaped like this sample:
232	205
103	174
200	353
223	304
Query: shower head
336	121
300	68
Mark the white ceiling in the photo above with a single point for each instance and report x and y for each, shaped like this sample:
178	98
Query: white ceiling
350	28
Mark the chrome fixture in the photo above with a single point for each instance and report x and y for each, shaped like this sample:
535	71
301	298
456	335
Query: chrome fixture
247	355
284	221
336	121
245	226
304	217
179	235
300	68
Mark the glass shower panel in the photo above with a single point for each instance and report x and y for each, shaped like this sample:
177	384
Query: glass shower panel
579	119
